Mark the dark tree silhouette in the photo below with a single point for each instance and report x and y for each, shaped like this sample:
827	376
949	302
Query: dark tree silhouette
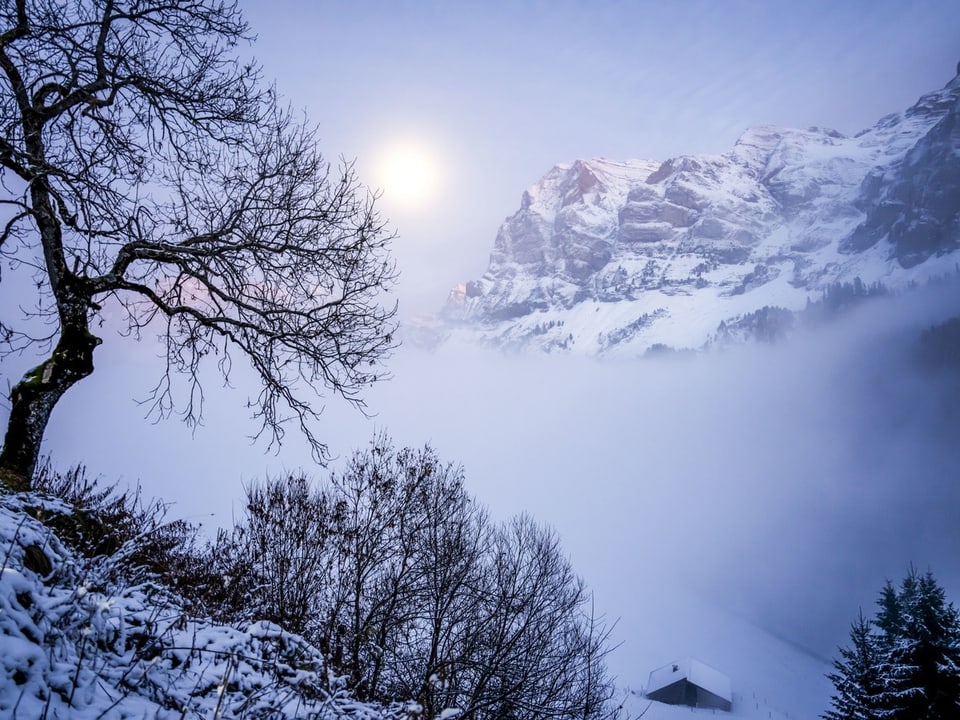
412	592
905	663
856	675
920	672
149	173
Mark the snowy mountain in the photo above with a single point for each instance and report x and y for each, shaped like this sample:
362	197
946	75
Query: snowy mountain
609	257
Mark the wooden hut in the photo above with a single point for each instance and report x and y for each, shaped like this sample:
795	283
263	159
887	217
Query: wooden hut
690	682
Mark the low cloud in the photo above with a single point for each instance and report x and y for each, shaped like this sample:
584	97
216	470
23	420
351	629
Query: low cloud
783	482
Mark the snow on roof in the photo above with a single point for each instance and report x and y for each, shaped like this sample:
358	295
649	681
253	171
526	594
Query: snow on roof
696	672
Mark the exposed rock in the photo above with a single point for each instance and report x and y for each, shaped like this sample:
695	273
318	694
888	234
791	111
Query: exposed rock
914	204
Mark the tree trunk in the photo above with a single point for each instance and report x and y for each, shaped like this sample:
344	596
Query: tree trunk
33	398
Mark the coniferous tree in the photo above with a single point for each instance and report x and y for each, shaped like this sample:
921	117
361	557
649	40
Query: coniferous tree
905	663
921	673
889	620
856	678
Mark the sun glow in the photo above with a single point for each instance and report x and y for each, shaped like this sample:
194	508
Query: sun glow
408	173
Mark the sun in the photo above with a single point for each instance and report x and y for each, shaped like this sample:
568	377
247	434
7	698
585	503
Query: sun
409	174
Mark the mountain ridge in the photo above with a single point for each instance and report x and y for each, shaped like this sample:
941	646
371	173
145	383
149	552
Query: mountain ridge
615	257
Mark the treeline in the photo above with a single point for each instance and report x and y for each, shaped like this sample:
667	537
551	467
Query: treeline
408	588
904	663
837	298
771	323
939	345
768	324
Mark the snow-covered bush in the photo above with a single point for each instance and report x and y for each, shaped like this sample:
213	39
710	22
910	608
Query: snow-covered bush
387	593
86	638
100	520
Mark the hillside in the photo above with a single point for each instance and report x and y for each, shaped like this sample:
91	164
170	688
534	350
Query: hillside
769	677
95	639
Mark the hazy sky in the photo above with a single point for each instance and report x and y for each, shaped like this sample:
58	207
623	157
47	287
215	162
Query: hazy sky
789	482
499	92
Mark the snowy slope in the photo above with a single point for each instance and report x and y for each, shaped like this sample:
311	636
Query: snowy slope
610	258
80	640
769	677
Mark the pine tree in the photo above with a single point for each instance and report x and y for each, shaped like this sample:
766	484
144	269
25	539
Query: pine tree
889	620
939	628
856	678
905	664
923	663
892	677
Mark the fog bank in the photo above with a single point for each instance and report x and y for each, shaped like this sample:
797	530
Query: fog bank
781	483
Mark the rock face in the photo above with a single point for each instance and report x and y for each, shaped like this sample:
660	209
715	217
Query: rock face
616	257
915	203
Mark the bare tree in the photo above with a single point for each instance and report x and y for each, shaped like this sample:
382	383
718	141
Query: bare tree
149	173
440	611
541	650
276	563
413	593
375	576
441	606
